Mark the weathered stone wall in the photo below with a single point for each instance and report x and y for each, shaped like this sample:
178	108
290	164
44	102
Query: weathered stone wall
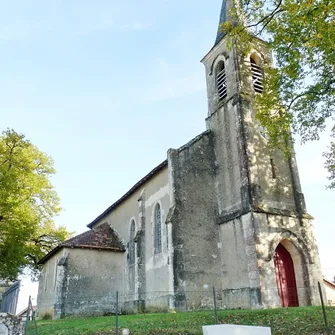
231	177
92	279
273	177
47	286
80	282
10	325
240	275
195	234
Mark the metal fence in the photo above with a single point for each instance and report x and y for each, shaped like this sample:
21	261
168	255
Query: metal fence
211	304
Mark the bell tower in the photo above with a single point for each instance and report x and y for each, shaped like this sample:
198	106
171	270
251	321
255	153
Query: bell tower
260	203
251	177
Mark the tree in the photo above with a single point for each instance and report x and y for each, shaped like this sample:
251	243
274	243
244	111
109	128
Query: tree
28	203
299	93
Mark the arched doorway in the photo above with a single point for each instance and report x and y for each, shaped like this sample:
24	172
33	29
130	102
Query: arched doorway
285	276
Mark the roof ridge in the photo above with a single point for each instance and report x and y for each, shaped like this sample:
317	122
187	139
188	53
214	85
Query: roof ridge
129	192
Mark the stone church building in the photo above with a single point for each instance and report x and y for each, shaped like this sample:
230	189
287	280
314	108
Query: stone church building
219	211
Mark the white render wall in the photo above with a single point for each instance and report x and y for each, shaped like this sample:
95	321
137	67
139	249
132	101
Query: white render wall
140	206
330	293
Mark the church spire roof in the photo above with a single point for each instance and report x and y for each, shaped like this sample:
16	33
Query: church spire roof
224	17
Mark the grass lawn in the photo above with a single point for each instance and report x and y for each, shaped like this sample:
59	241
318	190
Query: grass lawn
300	320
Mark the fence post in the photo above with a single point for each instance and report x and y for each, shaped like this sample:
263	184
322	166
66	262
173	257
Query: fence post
117	314
323	309
214	307
27	318
33	317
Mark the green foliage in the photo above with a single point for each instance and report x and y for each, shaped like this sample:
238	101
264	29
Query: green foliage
28	203
300	320
330	163
299	94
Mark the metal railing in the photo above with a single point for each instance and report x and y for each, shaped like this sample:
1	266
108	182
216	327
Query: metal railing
211	302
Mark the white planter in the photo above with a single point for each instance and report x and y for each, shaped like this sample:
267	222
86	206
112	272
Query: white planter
235	330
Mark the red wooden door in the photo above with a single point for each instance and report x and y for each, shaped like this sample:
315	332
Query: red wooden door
287	287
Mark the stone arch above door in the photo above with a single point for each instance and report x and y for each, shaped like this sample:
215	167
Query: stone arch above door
295	241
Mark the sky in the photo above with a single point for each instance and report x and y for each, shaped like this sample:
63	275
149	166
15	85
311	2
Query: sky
106	87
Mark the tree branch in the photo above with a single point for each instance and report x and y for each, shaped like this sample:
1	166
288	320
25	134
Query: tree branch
271	15
33	258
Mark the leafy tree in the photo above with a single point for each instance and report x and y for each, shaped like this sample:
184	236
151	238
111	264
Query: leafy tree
28	203
299	93
330	162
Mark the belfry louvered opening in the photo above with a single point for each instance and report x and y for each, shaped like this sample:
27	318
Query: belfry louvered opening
221	81
257	76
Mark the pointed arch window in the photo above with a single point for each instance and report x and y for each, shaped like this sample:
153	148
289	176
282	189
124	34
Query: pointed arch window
221	81
132	243
257	74
158	230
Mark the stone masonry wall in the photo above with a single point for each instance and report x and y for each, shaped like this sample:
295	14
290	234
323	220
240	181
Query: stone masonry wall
195	234
93	277
10	325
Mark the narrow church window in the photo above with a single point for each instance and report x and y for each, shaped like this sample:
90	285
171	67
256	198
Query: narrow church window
158	229
257	76
46	273
273	168
132	243
221	81
56	270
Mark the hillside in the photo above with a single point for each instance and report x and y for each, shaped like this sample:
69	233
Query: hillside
302	321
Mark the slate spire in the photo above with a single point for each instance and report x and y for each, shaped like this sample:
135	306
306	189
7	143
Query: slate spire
224	17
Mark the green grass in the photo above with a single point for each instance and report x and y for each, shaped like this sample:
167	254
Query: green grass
300	320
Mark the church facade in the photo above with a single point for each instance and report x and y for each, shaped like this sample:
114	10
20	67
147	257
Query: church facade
220	211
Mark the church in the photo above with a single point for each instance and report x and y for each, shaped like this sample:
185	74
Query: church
221	211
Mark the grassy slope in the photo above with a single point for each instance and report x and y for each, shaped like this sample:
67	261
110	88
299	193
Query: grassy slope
302	321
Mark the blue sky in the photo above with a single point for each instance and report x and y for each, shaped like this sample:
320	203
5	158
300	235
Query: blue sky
107	87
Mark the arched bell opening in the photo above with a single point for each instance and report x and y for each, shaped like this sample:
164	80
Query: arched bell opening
286	264
221	80
256	72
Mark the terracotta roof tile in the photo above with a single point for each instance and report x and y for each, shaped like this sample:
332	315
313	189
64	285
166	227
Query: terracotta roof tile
101	237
